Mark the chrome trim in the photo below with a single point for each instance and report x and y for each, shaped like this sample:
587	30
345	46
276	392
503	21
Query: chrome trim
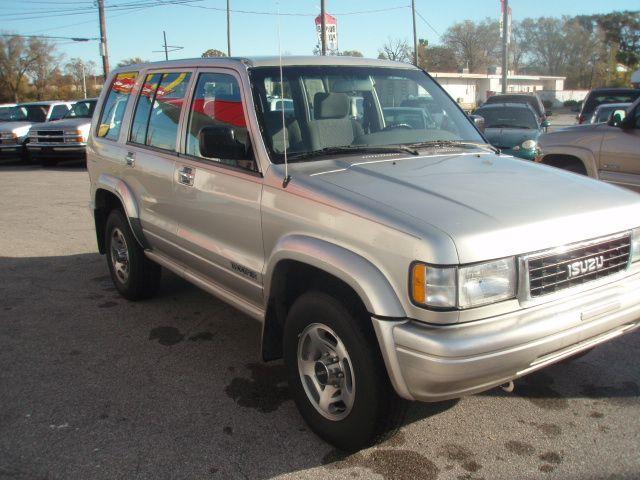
57	144
524	289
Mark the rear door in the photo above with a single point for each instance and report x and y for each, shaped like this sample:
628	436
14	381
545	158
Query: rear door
218	199
151	153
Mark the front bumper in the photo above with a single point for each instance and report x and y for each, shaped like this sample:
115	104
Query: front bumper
433	363
56	149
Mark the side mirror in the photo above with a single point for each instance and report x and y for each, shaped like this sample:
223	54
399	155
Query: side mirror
545	124
219	141
617	118
478	120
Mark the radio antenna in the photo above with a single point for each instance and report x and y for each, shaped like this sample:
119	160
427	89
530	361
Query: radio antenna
287	178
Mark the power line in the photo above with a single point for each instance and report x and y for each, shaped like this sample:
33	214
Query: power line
49	37
428	24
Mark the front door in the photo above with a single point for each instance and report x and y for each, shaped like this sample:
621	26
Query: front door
620	154
218	199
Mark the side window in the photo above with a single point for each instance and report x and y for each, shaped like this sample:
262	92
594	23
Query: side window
143	109
58	111
165	112
115	105
217	103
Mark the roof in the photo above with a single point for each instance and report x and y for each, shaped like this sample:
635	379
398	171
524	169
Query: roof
615	90
506	104
270	61
45	102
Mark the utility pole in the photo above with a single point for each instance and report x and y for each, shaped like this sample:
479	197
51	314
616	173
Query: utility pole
415	35
84	81
228	28
166	47
104	52
323	26
505	44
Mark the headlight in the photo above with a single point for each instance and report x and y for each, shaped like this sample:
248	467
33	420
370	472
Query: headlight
465	286
635	244
529	144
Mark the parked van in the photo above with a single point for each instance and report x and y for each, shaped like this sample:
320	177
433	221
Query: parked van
385	259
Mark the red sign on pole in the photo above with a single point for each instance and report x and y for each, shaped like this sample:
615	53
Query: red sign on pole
331	28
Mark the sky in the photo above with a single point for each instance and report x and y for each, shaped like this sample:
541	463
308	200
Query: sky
134	27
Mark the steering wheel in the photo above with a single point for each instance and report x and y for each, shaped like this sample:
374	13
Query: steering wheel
393	126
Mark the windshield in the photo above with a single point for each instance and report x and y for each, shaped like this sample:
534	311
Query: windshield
333	108
81	109
28	113
532	101
609	97
508	117
5	113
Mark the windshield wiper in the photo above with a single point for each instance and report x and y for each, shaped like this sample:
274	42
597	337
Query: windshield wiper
453	143
321	152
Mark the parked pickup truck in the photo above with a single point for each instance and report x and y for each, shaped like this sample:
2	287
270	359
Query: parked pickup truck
65	138
383	261
606	151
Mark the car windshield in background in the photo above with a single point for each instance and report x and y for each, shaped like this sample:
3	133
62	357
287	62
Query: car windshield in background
532	100
81	109
28	113
332	109
610	97
508	117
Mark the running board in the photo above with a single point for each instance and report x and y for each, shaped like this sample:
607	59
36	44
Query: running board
208	286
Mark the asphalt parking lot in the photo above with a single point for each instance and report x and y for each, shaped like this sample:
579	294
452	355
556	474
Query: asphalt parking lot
93	386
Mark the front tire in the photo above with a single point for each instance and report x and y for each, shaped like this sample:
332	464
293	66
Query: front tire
133	274
336	373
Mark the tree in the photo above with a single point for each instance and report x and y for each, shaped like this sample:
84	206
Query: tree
396	50
438	59
44	69
18	58
476	45
212	52
78	70
131	61
351	53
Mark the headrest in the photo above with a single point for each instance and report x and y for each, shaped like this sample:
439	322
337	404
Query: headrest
330	105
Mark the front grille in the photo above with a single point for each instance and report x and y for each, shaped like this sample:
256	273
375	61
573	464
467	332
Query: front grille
559	269
50	136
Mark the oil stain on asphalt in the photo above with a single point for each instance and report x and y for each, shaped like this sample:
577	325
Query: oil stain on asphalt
166	336
390	464
265	391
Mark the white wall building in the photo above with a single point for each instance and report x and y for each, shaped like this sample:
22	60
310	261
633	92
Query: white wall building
470	89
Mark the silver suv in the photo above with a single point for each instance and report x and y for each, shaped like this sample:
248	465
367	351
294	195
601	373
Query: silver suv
384	260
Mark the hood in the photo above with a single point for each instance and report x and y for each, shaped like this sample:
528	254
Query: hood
65	123
491	206
10	126
510	137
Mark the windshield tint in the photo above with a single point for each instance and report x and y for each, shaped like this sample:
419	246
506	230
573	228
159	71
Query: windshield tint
508	117
333	107
28	113
82	109
596	99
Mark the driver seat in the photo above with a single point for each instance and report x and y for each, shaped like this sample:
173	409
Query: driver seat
332	126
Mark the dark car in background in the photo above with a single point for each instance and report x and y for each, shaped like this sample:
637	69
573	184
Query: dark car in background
514	128
598	96
530	99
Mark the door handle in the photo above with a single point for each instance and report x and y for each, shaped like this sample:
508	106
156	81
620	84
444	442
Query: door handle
130	159
186	176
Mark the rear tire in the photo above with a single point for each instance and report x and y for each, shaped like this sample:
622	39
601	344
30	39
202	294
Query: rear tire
133	274
366	407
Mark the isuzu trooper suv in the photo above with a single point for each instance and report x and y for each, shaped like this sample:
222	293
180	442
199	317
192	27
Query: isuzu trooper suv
384	261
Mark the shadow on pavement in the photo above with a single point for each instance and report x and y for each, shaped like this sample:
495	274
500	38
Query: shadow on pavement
94	386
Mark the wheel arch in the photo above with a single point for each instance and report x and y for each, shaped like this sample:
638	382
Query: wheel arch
301	263
111	193
556	156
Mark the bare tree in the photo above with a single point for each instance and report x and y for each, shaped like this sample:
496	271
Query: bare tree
351	53
79	70
397	50
213	52
476	45
131	61
19	58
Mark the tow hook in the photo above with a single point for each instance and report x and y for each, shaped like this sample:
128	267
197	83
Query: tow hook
508	387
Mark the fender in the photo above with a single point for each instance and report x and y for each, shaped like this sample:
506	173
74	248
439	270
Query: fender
121	190
369	283
586	156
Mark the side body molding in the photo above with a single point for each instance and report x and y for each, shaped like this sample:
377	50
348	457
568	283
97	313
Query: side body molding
120	189
365	278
